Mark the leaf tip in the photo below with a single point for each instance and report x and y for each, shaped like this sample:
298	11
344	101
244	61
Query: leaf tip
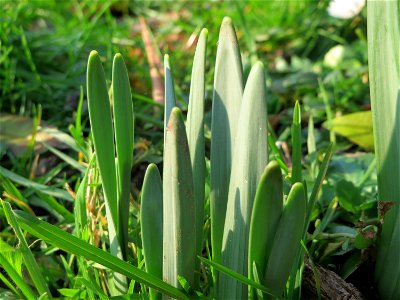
204	32
297	113
227	21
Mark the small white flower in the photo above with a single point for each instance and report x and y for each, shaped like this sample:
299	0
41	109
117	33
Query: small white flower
345	9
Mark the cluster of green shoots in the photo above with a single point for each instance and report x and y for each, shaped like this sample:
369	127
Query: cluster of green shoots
258	219
256	230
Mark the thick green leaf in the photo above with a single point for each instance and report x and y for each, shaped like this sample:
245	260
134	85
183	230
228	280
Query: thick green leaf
29	260
227	96
250	158
195	134
123	126
267	210
151	219
287	240
179	230
102	130
357	127
384	73
73	245
103	139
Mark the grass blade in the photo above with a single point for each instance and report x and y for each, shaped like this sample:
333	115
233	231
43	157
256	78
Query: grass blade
123	126
384	71
58	193
179	231
30	262
267	210
73	245
151	219
250	157
318	184
19	281
69	160
227	97
238	276
296	144
195	134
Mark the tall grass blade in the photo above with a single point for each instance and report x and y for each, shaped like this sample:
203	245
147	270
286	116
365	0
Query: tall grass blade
195	134
250	158
384	70
29	260
179	231
227	97
267	210
151	219
73	245
123	126
287	240
296	144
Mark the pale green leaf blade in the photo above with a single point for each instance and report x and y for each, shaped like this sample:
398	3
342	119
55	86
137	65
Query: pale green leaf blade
71	244
151	219
384	73
287	240
169	98
179	219
102	130
195	133
123	126
250	158
267	209
227	97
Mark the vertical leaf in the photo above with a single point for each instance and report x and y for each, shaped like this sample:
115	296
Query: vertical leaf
151	219
227	96
287	240
265	217
296	144
102	130
123	126
250	158
195	134
179	231
103	139
384	71
169	99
